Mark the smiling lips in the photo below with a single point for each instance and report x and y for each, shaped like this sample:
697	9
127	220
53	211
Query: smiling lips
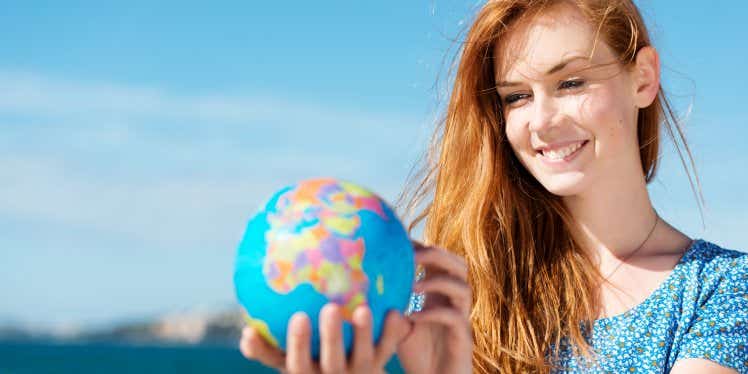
561	151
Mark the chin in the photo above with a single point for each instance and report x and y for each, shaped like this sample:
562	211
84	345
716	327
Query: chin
564	185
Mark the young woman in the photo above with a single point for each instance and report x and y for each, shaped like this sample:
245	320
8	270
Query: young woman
554	257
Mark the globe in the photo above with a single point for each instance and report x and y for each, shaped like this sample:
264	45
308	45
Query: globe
318	241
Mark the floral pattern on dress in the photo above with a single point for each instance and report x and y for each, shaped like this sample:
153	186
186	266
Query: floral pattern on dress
699	311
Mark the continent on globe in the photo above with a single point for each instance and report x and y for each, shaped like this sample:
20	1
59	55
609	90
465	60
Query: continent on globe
314	238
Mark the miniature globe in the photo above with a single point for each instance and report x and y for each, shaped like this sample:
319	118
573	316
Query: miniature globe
320	241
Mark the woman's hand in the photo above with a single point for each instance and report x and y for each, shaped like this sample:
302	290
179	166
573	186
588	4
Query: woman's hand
365	358
440	340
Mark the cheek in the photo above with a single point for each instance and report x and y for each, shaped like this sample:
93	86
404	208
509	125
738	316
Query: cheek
604	113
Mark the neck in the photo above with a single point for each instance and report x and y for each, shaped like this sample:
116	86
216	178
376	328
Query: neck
613	219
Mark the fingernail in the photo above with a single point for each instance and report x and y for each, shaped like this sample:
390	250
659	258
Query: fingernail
362	309
361	315
252	335
330	308
299	318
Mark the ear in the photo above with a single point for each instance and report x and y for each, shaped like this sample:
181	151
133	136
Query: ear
646	77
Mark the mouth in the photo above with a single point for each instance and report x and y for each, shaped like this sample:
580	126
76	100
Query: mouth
563	153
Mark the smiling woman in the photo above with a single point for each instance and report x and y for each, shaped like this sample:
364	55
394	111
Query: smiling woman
543	249
539	178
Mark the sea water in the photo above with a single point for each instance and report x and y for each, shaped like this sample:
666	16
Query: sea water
113	358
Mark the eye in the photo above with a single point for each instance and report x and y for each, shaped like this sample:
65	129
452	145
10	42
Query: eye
571	84
509	99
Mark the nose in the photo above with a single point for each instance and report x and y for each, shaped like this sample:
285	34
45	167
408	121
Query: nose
544	113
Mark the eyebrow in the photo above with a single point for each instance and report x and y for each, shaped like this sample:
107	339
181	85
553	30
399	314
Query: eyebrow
552	70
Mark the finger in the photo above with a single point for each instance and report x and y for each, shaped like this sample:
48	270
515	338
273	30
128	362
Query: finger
457	292
442	260
363	347
332	352
449	317
254	347
298	356
396	327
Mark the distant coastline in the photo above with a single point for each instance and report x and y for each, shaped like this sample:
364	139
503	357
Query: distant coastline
191	328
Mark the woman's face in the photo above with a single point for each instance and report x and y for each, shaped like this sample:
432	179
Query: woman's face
570	119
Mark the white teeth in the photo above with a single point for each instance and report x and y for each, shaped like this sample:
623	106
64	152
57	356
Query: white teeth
560	153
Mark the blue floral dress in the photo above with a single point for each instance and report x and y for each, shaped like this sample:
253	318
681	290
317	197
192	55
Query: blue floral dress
699	311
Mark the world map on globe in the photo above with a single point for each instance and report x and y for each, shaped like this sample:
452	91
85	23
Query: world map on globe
319	241
314	238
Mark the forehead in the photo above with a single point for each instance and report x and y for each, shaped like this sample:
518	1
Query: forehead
533	46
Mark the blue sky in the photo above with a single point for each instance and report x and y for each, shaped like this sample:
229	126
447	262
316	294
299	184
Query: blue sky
137	138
